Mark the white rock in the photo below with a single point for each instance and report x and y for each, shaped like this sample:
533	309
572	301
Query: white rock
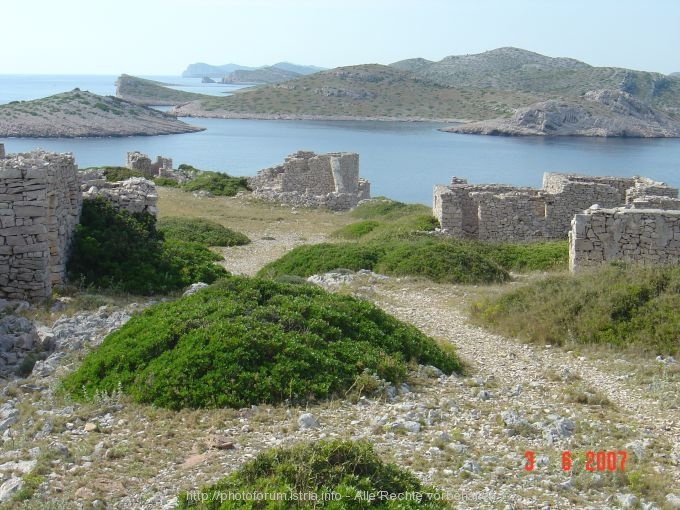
307	421
9	488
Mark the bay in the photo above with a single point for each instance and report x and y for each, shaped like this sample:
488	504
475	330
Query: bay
403	160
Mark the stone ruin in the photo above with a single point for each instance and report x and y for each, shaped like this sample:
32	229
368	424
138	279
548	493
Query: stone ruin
496	212
41	196
134	195
313	180
141	162
627	234
40	203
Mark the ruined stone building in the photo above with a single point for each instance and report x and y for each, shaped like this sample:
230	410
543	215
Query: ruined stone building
313	180
40	202
494	212
141	162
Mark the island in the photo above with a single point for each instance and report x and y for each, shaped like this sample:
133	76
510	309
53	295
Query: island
80	113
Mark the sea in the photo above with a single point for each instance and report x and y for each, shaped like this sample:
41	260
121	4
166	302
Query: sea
403	160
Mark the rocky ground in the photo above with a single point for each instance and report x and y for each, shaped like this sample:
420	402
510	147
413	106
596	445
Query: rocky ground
469	434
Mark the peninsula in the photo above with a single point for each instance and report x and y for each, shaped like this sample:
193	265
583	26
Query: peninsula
80	113
151	93
607	113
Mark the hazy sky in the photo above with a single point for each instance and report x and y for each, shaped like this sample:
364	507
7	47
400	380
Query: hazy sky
163	36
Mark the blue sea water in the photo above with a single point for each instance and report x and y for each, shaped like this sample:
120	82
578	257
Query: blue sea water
403	160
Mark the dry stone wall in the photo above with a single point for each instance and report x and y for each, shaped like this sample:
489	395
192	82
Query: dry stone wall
133	195
40	204
647	236
310	180
493	212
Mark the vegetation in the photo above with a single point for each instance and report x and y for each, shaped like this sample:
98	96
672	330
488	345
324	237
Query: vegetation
621	306
117	173
216	183
123	251
246	341
317	470
391	238
198	230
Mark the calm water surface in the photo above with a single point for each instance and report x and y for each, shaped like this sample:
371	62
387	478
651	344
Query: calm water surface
402	160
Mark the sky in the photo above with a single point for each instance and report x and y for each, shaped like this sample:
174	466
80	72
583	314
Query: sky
162	37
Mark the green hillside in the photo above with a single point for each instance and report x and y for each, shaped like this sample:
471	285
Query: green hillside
371	91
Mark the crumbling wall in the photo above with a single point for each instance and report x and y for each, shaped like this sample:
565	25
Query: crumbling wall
40	204
133	195
310	180
141	162
647	236
508	213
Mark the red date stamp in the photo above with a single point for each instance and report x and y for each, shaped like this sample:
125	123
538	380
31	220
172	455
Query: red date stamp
594	461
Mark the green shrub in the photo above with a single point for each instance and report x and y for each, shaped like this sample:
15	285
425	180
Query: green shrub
198	230
316	470
216	183
539	256
620	306
356	230
120	173
166	181
440	262
123	251
307	260
246	341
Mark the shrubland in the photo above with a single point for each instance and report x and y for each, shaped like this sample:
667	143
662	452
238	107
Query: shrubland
246	341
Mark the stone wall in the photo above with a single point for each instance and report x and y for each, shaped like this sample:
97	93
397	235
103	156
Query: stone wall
494	212
647	236
133	195
311	180
138	161
40	204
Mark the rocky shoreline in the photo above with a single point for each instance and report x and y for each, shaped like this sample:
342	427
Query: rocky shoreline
603	113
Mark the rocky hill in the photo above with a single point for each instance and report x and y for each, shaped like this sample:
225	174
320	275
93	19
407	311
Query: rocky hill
368	91
514	69
80	113
599	113
150	92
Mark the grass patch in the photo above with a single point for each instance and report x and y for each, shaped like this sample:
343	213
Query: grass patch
121	251
218	184
621	306
198	230
248	341
317	470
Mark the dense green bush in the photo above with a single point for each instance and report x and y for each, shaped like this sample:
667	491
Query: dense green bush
198	230
615	305
439	259
166	181
216	183
123	251
317	469
120	173
246	341
356	230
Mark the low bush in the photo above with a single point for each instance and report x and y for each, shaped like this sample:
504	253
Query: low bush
316	471
166	181
198	230
120	173
356	230
218	184
247	341
122	251
615	305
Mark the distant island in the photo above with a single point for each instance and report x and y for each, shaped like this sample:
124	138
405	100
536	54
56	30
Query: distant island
234	73
79	113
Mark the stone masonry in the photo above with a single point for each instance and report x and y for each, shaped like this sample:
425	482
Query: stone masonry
495	212
646	236
138	161
134	195
40	204
311	180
